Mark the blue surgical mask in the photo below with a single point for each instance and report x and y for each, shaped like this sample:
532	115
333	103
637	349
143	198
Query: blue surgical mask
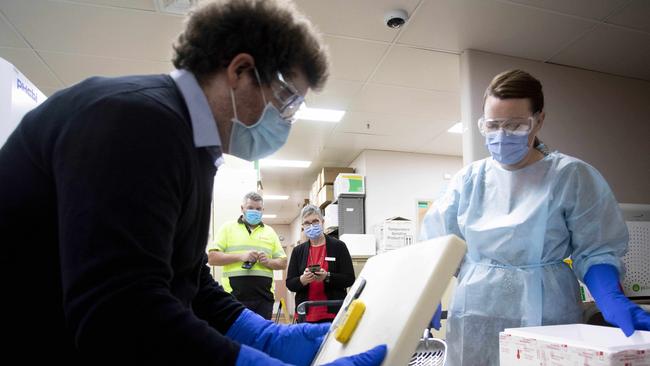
253	217
260	139
507	149
314	231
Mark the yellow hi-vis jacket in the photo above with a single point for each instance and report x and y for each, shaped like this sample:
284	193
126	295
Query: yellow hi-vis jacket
234	237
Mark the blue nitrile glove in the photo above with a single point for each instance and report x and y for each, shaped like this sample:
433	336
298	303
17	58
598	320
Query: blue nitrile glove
251	357
618	310
294	344
435	321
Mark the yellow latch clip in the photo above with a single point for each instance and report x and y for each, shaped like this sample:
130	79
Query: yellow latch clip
350	321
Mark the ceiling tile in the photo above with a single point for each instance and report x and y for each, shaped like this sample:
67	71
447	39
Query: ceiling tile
418	68
354	59
375	142
305	140
607	49
444	144
392	125
358	18
492	26
636	15
336	95
8	37
128	4
423	104
340	156
28	63
92	30
593	9
72	68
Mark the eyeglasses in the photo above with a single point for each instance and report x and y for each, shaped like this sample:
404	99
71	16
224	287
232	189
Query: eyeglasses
306	224
511	126
288	96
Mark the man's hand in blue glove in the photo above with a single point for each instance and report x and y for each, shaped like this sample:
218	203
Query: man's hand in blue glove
251	357
435	321
603	283
292	344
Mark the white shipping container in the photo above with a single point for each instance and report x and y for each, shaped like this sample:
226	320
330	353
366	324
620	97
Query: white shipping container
394	233
331	215
360	245
573	344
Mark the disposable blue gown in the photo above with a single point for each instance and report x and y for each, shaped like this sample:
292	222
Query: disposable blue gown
519	226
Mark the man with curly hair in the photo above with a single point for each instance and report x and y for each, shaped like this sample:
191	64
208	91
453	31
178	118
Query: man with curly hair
110	182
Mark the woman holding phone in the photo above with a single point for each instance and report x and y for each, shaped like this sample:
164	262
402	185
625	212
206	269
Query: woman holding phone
320	268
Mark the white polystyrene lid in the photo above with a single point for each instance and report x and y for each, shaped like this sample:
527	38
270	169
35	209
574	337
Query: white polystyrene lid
606	339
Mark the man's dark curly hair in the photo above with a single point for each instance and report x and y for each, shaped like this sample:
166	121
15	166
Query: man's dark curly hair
272	31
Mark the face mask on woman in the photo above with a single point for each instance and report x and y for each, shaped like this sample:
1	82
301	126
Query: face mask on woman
314	231
507	149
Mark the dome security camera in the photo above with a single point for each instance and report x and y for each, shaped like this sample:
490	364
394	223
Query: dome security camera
395	18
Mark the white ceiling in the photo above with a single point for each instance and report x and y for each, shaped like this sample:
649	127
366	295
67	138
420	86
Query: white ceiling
400	88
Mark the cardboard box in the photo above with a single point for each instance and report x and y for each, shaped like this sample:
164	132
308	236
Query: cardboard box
394	233
331	215
349	184
360	245
328	174
325	196
573	344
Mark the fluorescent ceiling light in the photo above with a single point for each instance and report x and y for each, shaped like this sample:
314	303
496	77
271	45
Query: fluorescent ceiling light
285	163
457	128
269	216
275	197
319	114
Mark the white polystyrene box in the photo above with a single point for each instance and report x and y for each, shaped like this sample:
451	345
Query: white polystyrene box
360	245
573	344
331	215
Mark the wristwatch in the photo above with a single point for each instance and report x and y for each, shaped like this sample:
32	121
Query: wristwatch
327	277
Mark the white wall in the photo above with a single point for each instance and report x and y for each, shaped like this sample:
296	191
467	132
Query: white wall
396	180
234	179
599	118
295	229
284	232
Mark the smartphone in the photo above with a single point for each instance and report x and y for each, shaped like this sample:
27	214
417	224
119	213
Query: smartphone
314	268
247	265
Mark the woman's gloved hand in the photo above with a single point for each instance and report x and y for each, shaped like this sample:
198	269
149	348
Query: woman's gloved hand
603	283
251	357
287	344
437	316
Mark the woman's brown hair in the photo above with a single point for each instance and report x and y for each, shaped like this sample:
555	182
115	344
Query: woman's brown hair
517	84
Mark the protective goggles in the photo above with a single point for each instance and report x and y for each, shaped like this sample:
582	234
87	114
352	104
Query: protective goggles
511	126
289	98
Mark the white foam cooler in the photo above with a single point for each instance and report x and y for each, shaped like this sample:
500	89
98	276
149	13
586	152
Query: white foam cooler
401	291
573	344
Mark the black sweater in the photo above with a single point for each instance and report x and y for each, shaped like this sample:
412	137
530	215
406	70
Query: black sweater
104	214
341	271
